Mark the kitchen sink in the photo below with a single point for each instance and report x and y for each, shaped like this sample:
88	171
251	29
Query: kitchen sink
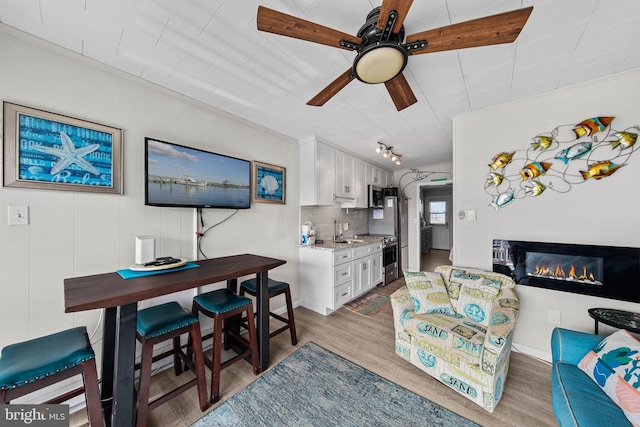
349	241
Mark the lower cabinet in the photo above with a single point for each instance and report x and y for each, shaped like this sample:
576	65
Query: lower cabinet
329	279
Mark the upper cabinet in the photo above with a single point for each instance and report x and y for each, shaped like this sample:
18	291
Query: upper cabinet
345	176
317	173
379	177
373	175
386	178
329	176
360	184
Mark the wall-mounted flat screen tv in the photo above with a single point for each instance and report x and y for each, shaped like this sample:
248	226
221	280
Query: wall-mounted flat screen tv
180	176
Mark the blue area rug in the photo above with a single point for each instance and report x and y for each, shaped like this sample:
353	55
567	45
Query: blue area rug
315	387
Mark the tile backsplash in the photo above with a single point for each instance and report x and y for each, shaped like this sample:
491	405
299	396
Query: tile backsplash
323	217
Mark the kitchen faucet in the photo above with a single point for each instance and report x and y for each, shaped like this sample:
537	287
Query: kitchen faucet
336	233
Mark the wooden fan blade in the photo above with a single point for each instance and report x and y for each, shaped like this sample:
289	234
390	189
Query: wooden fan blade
400	92
400	6
275	22
334	87
495	29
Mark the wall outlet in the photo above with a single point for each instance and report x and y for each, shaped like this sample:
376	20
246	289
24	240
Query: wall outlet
18	215
553	317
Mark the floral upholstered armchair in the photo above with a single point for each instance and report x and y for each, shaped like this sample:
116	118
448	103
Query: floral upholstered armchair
456	324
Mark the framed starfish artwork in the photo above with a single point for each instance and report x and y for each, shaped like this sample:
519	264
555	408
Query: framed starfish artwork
49	151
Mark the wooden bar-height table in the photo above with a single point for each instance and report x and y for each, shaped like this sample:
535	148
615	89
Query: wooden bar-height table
120	297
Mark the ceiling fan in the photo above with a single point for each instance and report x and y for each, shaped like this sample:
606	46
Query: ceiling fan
383	52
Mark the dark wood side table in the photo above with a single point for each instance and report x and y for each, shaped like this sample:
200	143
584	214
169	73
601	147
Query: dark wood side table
617	318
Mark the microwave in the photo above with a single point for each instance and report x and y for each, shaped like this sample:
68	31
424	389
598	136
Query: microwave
376	197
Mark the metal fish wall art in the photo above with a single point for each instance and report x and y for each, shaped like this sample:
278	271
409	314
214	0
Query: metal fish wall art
535	169
624	140
575	151
494	179
568	155
592	125
501	160
600	170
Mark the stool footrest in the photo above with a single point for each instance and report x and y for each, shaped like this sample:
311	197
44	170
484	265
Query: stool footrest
64	397
167	397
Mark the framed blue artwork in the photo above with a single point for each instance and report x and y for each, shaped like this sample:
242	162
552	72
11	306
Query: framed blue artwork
49	151
268	183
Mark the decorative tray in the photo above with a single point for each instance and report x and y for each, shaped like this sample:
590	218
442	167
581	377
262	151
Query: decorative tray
141	267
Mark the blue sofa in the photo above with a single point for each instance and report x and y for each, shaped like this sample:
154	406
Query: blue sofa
577	399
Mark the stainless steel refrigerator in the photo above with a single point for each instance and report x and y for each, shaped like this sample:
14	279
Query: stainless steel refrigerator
392	221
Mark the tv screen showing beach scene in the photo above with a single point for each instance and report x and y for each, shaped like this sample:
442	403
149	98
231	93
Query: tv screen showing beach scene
180	176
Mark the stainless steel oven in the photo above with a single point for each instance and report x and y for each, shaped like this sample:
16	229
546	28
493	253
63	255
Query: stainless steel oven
390	258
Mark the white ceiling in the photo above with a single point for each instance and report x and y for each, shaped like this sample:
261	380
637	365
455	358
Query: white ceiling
211	51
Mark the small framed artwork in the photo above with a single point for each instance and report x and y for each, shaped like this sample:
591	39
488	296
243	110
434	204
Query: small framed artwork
49	151
268	183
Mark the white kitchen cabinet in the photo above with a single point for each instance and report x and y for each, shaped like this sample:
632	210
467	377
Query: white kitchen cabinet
361	269
360	184
373	175
326	279
386	178
377	275
329	279
345	176
317	173
379	177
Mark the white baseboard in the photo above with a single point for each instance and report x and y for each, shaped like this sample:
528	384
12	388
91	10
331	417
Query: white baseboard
533	352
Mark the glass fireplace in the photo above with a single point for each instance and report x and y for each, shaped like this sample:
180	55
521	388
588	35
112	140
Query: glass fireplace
604	271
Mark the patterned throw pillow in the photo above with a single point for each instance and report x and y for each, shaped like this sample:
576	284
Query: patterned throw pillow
614	364
428	292
472	295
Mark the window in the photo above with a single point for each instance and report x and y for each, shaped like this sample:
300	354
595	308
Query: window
438	212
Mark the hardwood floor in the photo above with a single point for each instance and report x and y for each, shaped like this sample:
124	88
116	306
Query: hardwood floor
369	342
433	258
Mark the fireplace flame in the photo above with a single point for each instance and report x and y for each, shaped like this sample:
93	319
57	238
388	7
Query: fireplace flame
558	272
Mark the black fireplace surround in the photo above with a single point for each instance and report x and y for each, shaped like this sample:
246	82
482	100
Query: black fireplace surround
603	271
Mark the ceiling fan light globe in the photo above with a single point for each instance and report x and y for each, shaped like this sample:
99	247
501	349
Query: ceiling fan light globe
398	162
380	63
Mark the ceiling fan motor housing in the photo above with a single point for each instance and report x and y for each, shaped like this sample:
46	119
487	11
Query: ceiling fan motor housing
381	56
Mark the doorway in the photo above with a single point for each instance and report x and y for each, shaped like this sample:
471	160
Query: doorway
438	216
435	211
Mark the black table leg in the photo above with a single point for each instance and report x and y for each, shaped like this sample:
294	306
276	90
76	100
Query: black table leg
596	327
233	323
125	358
262	299
232	285
108	355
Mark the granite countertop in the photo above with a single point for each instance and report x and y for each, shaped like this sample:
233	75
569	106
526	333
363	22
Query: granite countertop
356	241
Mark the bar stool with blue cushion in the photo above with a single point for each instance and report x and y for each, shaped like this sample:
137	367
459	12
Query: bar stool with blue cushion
161	323
223	305
35	364
275	288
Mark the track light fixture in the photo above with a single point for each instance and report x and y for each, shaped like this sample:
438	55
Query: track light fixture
387	153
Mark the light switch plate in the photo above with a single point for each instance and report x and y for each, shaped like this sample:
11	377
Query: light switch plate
471	215
18	215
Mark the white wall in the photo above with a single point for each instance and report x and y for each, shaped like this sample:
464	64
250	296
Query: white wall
73	234
604	212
